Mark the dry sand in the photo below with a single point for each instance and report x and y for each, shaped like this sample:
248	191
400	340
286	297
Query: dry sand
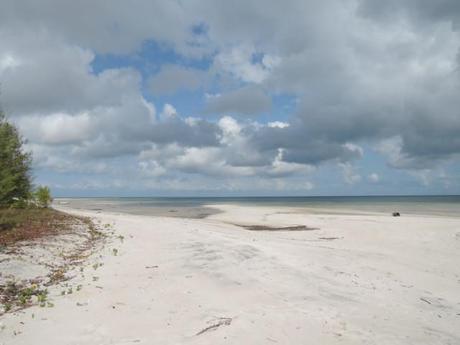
357	279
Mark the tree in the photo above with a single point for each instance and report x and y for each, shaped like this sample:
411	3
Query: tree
43	196
15	165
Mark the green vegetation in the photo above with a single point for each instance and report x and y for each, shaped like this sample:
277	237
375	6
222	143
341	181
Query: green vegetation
15	171
20	295
32	222
19	204
43	196
24	216
15	166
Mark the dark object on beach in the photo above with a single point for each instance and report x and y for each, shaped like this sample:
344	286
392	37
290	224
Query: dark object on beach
425	300
396	214
286	228
223	321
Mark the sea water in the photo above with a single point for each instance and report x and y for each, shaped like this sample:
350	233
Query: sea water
198	207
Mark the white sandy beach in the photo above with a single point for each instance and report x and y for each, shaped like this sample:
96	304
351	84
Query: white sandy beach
357	279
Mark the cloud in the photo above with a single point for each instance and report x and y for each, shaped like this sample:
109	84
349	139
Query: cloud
349	174
278	124
169	112
247	100
300	147
374	177
115	27
281	168
49	76
240	62
233	157
58	128
365	73
49	90
196	133
173	78
420	12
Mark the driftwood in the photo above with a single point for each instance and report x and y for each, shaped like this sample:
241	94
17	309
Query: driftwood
223	321
425	300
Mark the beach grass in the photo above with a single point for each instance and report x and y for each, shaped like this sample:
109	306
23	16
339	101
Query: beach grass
47	244
31	223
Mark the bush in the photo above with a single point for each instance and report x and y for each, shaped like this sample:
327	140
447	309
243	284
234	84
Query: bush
43	196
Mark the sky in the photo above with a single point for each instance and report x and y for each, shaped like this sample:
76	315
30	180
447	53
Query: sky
235	98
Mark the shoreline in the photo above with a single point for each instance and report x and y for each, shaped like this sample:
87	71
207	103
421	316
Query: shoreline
354	279
203	207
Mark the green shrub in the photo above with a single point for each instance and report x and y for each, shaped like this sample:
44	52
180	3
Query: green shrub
43	196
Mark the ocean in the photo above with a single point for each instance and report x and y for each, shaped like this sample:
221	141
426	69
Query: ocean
197	207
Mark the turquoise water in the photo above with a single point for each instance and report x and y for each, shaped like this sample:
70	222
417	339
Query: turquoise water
196	207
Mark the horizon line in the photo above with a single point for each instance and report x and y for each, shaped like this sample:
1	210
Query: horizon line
261	196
